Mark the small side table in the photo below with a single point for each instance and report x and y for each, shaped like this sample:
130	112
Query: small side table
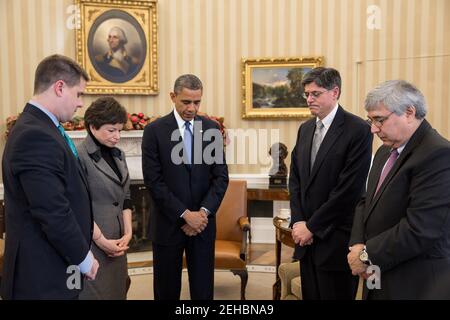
283	235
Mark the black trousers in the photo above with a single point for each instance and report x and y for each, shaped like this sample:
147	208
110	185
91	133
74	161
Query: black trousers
319	284
168	264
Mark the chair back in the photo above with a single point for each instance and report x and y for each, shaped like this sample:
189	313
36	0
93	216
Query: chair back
233	206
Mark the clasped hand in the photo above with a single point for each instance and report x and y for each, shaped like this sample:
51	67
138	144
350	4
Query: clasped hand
196	222
356	265
301	234
114	247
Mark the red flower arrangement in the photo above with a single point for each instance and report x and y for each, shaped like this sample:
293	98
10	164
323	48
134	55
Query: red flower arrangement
136	121
77	123
10	122
220	122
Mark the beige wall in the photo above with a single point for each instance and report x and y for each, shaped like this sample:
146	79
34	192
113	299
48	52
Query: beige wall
209	37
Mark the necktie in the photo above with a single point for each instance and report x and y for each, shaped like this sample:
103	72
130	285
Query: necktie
68	140
317	140
187	139
389	164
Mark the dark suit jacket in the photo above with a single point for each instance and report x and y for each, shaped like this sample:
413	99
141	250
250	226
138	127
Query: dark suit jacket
326	197
406	226
174	187
48	212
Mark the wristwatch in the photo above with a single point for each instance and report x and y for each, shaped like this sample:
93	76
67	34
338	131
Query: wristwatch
364	257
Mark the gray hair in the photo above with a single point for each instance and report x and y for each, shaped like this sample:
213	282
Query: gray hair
397	96
122	37
188	81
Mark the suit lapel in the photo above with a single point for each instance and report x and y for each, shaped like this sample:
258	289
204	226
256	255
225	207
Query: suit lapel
197	133
95	154
376	173
122	168
328	142
106	169
415	140
305	156
171	126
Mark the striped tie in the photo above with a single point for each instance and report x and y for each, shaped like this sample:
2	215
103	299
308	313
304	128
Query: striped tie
317	140
188	142
388	166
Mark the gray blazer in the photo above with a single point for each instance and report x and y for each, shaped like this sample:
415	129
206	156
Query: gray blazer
108	194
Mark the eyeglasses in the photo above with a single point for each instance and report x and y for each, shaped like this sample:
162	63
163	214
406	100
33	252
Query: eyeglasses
378	121
314	94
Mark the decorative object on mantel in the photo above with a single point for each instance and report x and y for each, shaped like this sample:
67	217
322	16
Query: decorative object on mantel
136	121
10	122
220	122
77	123
278	172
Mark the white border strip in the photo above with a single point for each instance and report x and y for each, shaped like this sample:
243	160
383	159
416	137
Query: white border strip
250	268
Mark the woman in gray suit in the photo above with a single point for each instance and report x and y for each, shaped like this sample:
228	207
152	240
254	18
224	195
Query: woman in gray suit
109	185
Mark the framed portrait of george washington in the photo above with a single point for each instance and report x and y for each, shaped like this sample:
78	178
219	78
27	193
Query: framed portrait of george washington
271	87
117	46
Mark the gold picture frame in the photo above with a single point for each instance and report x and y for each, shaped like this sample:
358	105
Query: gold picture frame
271	87
116	44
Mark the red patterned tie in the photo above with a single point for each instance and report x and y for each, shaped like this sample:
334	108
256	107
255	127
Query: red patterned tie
389	164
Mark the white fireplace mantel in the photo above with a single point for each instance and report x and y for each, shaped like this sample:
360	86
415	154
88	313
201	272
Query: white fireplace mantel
130	141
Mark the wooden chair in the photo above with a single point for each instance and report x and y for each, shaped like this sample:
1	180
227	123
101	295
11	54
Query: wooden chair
232	229
2	248
232	233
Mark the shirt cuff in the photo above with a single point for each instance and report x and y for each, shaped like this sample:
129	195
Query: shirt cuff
206	210
87	263
127	204
181	216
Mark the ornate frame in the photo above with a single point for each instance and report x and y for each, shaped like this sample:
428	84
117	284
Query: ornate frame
137	73
264	67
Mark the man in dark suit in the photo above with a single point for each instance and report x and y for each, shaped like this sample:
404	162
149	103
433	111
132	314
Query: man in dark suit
186	190
329	167
47	204
401	229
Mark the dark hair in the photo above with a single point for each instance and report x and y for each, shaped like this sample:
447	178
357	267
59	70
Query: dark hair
102	111
57	67
188	81
327	78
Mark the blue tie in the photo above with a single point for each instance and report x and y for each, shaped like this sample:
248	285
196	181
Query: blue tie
188	142
69	141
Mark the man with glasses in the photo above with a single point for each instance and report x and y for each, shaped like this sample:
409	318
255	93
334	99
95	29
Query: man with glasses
329	167
402	225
